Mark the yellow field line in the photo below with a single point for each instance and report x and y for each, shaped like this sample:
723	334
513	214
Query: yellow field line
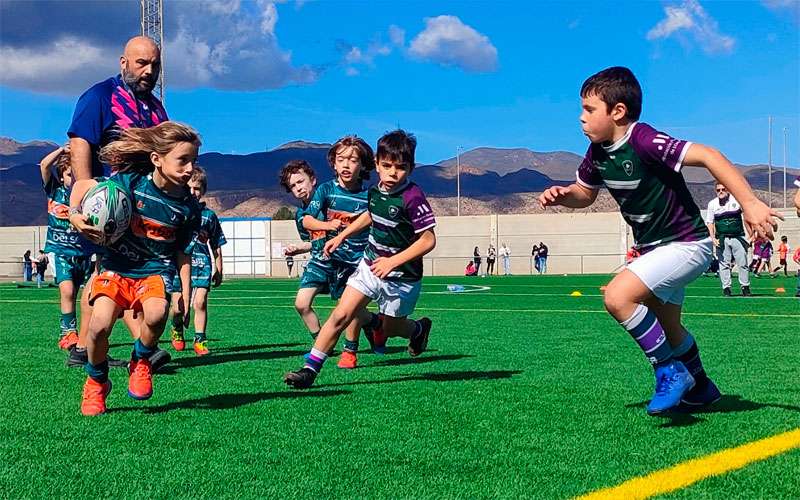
692	471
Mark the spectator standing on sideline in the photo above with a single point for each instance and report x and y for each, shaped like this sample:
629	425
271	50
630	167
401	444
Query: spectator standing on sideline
543	250
290	264
505	254
491	254
476	258
535	257
724	222
27	266
41	266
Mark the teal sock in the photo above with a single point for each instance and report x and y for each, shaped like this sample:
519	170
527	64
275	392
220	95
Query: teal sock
199	337
351	345
68	323
98	373
141	351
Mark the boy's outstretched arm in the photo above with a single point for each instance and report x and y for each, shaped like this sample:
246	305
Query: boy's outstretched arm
572	196
292	250
759	218
362	222
313	224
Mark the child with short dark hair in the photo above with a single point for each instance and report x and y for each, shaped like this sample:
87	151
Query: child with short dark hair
401	226
641	166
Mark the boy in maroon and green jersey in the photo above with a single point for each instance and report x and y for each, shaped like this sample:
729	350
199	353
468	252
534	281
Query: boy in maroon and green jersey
640	167
390	273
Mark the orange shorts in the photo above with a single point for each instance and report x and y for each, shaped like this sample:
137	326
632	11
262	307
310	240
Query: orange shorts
128	293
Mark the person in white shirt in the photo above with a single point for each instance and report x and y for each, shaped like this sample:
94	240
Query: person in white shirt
505	254
724	221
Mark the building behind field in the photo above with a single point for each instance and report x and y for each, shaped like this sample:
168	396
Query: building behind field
579	243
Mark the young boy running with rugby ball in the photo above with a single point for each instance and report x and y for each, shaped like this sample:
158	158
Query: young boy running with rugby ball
390	272
641	166
153	166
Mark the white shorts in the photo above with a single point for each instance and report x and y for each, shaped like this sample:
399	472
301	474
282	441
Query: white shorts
667	269
394	298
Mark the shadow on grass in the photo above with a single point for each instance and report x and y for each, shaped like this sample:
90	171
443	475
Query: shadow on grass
729	403
240	348
437	377
426	359
228	401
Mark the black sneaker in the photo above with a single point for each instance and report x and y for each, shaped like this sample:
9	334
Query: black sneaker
301	379
79	357
746	291
419	342
726	291
158	359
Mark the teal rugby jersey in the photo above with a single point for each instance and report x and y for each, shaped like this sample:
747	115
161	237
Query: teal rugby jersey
642	173
161	225
331	201
317	238
398	217
209	233
62	238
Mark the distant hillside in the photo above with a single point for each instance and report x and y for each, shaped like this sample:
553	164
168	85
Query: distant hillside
492	180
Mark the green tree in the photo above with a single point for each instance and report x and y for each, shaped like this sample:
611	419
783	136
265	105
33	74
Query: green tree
283	213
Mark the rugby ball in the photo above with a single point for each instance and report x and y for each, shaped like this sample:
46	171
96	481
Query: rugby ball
108	207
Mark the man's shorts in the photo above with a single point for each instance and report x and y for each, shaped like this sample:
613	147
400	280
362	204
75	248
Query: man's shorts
666	270
328	276
76	269
394	298
129	293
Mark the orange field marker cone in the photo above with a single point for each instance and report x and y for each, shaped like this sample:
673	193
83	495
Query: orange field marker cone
780	289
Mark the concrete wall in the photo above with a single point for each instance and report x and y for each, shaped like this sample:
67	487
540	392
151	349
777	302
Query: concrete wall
579	242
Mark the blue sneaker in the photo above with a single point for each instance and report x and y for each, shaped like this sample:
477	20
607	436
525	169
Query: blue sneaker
701	395
672	382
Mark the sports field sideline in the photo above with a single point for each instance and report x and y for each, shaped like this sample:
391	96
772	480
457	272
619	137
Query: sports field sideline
525	392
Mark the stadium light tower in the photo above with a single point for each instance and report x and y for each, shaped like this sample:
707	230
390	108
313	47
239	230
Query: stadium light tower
152	27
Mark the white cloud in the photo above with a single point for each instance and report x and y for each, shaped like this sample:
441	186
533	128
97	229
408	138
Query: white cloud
448	41
690	19
397	35
69	63
227	45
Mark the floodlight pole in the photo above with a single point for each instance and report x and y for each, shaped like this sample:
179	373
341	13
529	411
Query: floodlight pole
152	15
458	181
769	164
785	140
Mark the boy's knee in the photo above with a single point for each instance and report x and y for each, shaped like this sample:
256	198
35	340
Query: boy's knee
302	306
614	300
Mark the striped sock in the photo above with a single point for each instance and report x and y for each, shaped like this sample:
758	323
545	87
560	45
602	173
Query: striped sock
688	354
648	333
315	359
351	345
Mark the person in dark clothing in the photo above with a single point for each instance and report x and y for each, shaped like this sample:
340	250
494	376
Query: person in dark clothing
477	260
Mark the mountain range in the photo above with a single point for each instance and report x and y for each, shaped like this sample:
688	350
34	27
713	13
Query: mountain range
492	180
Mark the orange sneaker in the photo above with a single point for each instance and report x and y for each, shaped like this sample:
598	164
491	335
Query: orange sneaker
94	397
68	340
348	360
177	340
140	381
200	348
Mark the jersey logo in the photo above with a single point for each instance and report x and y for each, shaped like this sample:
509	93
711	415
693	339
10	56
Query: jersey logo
627	166
422	210
393	211
140	204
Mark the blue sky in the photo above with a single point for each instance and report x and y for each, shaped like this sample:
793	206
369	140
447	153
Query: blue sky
254	75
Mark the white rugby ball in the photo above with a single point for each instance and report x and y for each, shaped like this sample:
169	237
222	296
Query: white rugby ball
108	207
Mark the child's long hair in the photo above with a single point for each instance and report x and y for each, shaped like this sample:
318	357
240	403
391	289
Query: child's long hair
131	152
365	155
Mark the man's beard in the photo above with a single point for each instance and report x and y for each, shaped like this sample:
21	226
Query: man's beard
139	88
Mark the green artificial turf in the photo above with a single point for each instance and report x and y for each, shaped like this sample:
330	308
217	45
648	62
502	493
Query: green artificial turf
525	392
